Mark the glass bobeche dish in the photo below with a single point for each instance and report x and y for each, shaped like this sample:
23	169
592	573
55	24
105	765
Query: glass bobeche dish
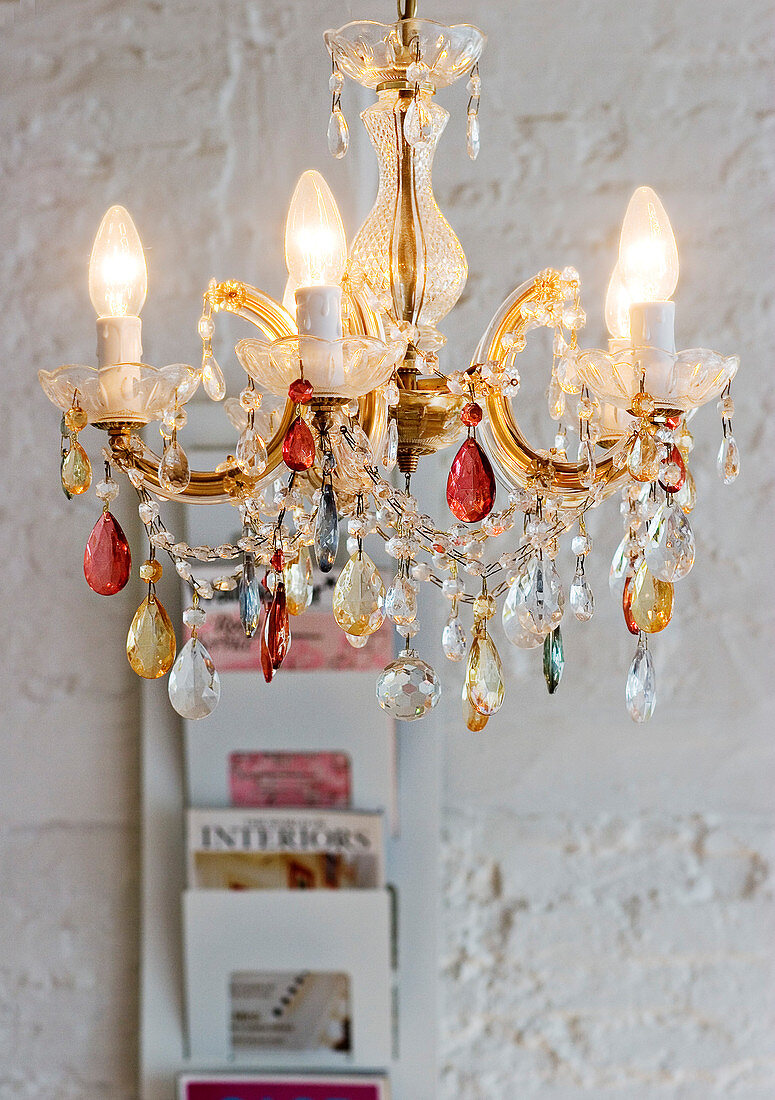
696	377
132	393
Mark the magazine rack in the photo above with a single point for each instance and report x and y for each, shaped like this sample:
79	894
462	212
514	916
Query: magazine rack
399	1034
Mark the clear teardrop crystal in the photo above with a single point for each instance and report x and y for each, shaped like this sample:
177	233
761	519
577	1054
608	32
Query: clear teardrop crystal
326	530
251	453
390	454
670	549
359	597
515	632
408	688
686	497
401	601
453	639
620	564
484	675
249	597
473	143
587	463
194	685
544	602
641	690
554	660
213	382
582	600
174	473
299	588
417	122
338	134
728	461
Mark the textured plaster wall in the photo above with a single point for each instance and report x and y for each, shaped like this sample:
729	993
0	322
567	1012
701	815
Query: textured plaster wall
608	919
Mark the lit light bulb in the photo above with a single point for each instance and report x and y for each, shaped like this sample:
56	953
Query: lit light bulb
648	256
315	244
617	307
118	278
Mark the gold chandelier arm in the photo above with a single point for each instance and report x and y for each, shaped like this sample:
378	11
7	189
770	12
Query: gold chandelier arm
230	483
522	464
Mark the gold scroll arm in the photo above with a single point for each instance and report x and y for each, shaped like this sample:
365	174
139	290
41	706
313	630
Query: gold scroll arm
230	483
523	465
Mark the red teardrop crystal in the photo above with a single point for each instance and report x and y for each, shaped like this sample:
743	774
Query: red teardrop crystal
471	484
107	559
276	635
675	459
298	446
627	594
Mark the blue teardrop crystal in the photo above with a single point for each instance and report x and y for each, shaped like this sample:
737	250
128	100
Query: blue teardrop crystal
327	530
554	659
249	597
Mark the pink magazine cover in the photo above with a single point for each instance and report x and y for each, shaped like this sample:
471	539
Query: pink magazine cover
283	1088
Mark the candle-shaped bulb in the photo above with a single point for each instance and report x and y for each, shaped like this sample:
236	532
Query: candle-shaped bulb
648	256
118	278
315	244
617	307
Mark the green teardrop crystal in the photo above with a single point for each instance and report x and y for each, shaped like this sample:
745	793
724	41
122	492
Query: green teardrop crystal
554	659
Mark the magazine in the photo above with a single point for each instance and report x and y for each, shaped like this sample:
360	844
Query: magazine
263	1086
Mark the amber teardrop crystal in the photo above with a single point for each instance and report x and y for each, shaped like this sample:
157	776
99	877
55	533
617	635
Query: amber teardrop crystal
473	719
484	675
298	446
76	470
276	635
359	597
627	594
652	601
107	559
471	484
299	588
150	643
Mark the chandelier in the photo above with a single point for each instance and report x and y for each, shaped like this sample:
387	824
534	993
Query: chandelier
343	386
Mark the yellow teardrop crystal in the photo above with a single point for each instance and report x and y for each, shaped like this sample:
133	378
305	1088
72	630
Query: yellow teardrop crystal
150	643
644	457
298	583
76	470
359	597
484	675
652	601
471	716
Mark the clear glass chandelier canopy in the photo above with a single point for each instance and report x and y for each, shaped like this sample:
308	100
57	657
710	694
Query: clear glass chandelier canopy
344	392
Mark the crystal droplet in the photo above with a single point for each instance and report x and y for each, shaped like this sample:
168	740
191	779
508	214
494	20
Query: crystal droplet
359	597
620	563
471	716
194	686
587	463
544	601
670	549
515	632
728	461
401	601
473	143
673	472
471	484
582	600
174	474
390	454
249	597
357	642
298	583
643	460
251	453
417	122
107	559
652	601
298	446
686	497
627	594
556	400
276	635
641	690
453	639
484	675
408	688
338	134
150	643
212	379
76	470
326	530
554	660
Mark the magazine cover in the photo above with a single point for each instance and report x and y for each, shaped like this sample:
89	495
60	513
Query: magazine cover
289	1010
271	1087
276	849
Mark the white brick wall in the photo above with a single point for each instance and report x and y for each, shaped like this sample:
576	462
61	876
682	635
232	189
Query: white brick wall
608	916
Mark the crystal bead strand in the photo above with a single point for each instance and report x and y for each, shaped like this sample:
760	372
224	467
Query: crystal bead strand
474	89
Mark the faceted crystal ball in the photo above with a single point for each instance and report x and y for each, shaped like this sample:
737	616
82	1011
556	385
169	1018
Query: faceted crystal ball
408	688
